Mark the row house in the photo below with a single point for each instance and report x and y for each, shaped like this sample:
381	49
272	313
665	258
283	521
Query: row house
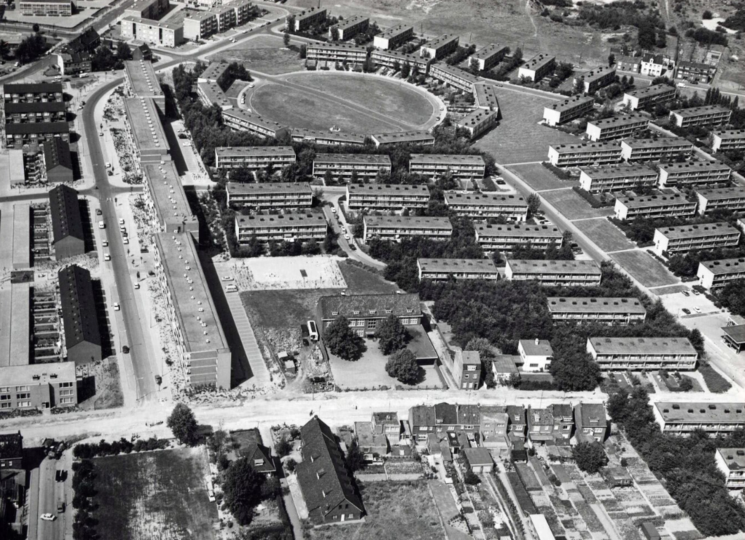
484	205
72	63
567	110
79	318
505	238
211	94
166	201
366	312
485	97
68	237
489	56
494	426
458	269
336	52
575	155
272	195
308	18
684	238
464	166
694	173
616	178
36	111
608	311
453	76
651	95
596	79
254	158
553	425
386	197
386	423
443	418
653	206
286	227
719	418
728	140
35	132
695	72
348	167
731	463
537	67
478	122
348	28
403	138
467	369
397	59
568	273
241	120
617	127
716	274
730	199
709	115
637	353
327	138
591	422
439	47
395	228
664	149
34	92
392	38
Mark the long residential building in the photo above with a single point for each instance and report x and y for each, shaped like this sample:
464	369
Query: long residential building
148	9
151	144
55	154
439	47
485	96
286	227
653	206
397	59
271	195
635	353
505	238
412	138
254	158
38	386
35	132
445	269
568	273
617	127
386	196
166	199
709	115
393	37
160	33
602	310
643	97
308	18
348	28
35	111
142	82
211	94
731	462
46	8
79	316
478	122
327	138
33	92
694	173
241	120
336	52
489	56
191	312
597	79
567	110
574	155
728	140
16	337
537	67
486	205
716	274
67	223
397	227
714	418
729	198
616	178
663	149
683	238
458	165
453	76
347	167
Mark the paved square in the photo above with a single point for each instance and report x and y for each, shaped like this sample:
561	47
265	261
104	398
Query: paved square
272	273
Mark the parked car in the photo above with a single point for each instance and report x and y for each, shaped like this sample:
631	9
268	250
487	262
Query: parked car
686	293
117	307
106	257
126	240
697	309
48	517
227	278
98	212
105	243
686	311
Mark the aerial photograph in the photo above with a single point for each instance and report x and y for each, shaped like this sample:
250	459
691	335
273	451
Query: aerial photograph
372	270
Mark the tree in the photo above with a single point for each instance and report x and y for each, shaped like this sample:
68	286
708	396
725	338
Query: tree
124	52
286	39
405	70
342	341
35	28
590	457
183	424
534	204
4	48
707	15
574	370
30	48
355	460
283	447
290	465
471	478
391	335
242	489
402	366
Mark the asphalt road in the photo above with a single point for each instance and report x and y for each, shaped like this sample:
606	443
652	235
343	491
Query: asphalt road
49	530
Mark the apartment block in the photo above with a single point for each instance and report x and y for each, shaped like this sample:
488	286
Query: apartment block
308	18
637	353
729	198
38	386
254	158
683	238
457	165
211	94
485	96
478	122
393	37
412	138
386	197
651	95
453	76
45	8
148	9
397	59
489	56
668	148
537	67
199	25
720	418
694	71
21	235
616	178
327	138
575	155
731	462
241	120
35	132
710	115
348	28
567	110
151	144
273	195
336	52
346	167
162	34
285	227
694	174
32	92
36	111
484	205
439	47
165	198
568	273
716	274
728	140
603	310
79	316
142	82
505	238
618	127
397	227
67	223
596	79
653	206
213	73
191	313
446	269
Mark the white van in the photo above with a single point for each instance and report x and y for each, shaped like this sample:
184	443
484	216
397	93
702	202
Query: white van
313	330
231	288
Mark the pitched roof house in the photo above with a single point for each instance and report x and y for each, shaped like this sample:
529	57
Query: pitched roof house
592	425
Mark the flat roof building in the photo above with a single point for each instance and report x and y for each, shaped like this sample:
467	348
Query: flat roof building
731	462
574	155
68	239
655	149
200	24
617	127
79	316
308	18
396	227
484	205
160	33
151	144
583	273
211	94
459	166
348	28
32	92
286	227
643	97
728	140
505	238
413	138
142	82
45	8
327	138
439	47
616	178
254	158
272	195
15	326
393	37
596	79
537	67
734	336
684	238
720	418
240	120
653	206
709	115
348	166
38	386
386	196
453	76
489	56
393	59
637	353
727	199
445	269
694	173
166	199
148	9
478	122
486	96
567	110
602	310
21	235
716	274
336	52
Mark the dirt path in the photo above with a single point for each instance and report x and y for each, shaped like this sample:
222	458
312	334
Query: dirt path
532	21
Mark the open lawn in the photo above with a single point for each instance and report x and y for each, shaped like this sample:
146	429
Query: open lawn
569	203
539	177
714	381
603	233
264	54
159	494
644	268
518	138
394	510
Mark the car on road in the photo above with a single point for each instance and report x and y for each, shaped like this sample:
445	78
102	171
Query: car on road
100	133
117	307
352	247
227	278
686	311
346	237
333	209
61	507
122	222
105	243
697	309
126	240
106	257
48	517
98	212
695	292
101	225
137	286
686	293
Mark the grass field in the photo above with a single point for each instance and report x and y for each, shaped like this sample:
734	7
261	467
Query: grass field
539	177
714	381
603	233
266	54
394	510
518	138
572	206
154	495
645	268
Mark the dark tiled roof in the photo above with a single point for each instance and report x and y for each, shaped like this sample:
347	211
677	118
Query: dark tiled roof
422	415
447	414
382	305
11	445
78	307
257	451
468	414
65	209
34	107
57	154
37	127
37	88
516	411
590	415
86	41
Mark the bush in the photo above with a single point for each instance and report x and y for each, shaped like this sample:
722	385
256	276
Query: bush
590	457
471	478
283	447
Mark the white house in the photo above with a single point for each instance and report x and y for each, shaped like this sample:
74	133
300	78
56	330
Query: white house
536	355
